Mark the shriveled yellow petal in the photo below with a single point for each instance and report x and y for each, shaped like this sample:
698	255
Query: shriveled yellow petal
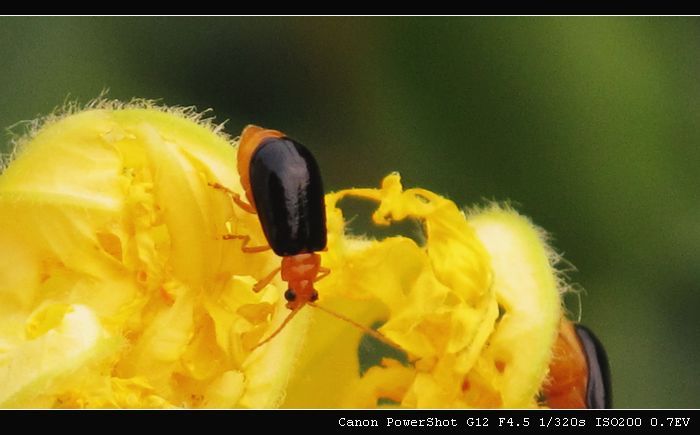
439	302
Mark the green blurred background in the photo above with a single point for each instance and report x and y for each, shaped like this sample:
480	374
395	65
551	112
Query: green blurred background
590	125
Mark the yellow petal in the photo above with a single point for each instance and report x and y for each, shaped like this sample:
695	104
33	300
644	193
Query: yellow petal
48	361
520	348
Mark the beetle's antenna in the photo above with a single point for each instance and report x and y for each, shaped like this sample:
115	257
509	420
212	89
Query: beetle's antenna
379	336
279	329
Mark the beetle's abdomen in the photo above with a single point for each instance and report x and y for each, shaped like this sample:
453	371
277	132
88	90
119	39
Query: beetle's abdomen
288	194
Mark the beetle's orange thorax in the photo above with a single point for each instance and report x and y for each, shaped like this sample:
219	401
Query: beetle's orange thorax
300	271
251	138
568	371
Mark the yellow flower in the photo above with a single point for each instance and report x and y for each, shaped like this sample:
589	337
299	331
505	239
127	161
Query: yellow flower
118	290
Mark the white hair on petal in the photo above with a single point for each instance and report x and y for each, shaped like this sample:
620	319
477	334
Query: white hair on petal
23	131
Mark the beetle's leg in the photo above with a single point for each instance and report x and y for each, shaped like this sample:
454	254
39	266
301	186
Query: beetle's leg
235	197
322	273
244	247
266	280
289	317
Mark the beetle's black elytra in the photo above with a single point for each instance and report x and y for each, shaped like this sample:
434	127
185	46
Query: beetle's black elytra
288	194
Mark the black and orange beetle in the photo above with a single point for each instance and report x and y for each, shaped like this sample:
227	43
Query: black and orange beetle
282	184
